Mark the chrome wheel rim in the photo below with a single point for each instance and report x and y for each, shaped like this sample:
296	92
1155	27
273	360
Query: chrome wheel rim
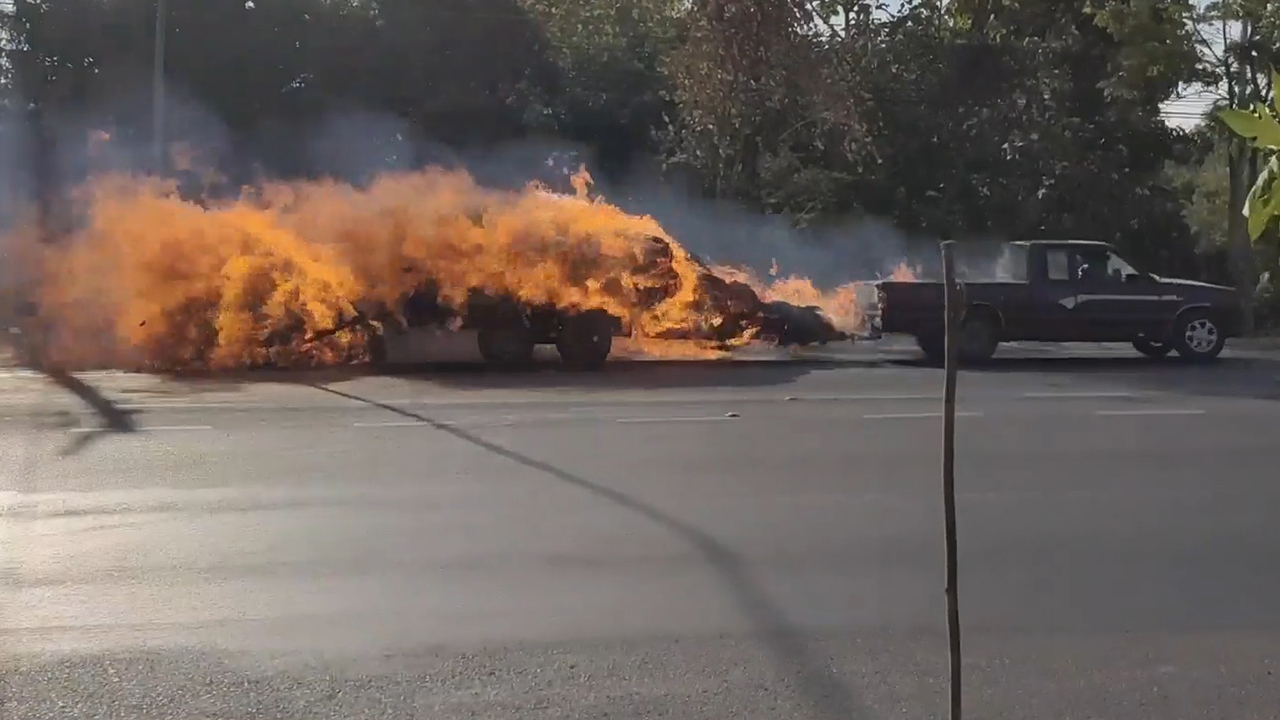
1201	335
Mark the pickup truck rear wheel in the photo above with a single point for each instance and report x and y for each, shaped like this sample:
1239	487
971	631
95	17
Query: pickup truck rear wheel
1197	336
934	347
979	340
1152	349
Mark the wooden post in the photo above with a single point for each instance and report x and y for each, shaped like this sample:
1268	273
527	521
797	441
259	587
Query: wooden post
953	311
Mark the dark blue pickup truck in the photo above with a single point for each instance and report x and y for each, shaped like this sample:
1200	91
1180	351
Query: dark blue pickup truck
1065	291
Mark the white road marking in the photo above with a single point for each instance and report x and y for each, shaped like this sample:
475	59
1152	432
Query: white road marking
153	428
1049	395
896	416
708	418
194	406
1150	412
827	398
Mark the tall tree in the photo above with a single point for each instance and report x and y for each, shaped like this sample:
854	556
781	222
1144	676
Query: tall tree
608	89
1240	40
764	114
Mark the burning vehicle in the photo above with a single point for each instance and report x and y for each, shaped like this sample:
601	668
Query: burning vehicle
507	330
314	273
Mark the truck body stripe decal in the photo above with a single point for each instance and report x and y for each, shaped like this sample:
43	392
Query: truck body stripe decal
1072	301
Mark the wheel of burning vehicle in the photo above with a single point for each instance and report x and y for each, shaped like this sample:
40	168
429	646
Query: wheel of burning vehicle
507	346
377	349
585	340
1197	336
1152	349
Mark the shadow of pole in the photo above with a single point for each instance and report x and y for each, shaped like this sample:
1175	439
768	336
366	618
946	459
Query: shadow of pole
114	419
828	696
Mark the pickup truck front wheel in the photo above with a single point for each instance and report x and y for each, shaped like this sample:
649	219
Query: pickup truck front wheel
1152	349
1197	336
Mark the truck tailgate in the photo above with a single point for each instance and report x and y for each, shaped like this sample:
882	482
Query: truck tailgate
907	306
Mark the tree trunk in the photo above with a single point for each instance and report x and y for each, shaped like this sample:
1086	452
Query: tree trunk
1241	259
1239	248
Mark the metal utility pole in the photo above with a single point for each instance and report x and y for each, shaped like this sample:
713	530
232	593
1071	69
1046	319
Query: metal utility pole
954	310
157	89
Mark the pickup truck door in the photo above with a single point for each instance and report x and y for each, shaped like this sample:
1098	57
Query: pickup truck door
1114	301
1052	315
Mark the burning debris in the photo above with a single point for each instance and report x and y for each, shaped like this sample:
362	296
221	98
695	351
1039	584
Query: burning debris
311	273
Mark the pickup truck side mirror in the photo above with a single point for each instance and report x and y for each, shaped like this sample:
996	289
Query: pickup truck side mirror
1137	279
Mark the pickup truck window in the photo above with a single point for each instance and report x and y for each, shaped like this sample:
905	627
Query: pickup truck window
1092	265
1103	266
1117	268
1011	266
1058	263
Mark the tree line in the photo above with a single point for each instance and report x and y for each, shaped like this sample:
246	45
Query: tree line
958	118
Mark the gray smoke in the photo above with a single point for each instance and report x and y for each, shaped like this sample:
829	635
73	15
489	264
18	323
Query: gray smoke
357	145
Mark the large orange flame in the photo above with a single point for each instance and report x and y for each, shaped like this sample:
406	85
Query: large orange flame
152	280
839	306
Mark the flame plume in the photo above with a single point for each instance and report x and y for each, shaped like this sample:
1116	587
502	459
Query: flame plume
154	281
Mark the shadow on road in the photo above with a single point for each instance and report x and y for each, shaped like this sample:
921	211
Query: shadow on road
656	375
817	685
621	375
114	419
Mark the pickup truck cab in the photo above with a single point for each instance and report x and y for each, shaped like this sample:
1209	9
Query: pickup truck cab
1064	291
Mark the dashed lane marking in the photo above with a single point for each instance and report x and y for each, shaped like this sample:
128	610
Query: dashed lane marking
905	416
1066	395
1151	411
708	418
838	398
152	428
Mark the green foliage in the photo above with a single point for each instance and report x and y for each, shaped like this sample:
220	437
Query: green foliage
608	88
984	117
1203	183
1262	206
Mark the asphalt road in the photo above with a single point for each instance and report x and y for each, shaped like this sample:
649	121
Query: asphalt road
686	541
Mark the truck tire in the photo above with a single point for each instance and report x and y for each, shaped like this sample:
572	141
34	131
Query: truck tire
934	347
1152	349
507	346
979	337
978	341
585	340
1197	337
377	349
